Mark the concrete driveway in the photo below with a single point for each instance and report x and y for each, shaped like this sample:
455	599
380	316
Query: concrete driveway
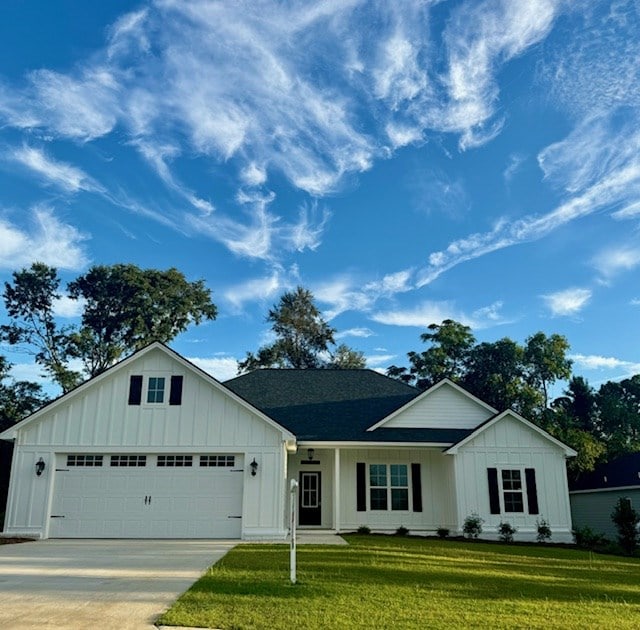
103	584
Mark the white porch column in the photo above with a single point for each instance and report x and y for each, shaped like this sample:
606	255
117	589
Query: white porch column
336	490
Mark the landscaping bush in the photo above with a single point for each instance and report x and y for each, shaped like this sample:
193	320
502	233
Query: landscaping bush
506	531
472	527
442	532
402	531
363	529
626	520
544	531
586	538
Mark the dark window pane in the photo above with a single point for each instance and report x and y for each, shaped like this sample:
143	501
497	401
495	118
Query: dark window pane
399	499
378	498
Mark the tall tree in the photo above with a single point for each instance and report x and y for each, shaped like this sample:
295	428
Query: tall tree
346	358
447	356
303	339
30	302
495	372
546	360
124	309
302	335
619	405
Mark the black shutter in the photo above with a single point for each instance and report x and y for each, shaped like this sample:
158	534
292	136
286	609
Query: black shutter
532	490
361	487
416	487
135	389
175	396
494	492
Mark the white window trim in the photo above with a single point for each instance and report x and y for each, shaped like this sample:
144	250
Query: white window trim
523	482
145	389
389	487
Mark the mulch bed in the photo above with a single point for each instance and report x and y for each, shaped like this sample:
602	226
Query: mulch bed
11	541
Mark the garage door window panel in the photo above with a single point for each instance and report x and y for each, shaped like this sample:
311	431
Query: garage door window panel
217	460
84	460
128	460
175	461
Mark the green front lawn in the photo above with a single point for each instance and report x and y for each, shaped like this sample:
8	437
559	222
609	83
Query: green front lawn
390	582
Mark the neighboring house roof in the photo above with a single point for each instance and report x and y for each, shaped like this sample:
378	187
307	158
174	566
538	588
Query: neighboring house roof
10	433
619	473
335	405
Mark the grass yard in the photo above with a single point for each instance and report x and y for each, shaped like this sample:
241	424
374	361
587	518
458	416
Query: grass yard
391	582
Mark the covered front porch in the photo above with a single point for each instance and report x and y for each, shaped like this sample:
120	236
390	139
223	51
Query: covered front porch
342	487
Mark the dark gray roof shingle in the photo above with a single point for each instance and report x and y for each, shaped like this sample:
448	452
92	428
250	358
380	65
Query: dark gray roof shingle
335	405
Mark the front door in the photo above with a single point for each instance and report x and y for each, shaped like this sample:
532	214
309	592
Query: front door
309	508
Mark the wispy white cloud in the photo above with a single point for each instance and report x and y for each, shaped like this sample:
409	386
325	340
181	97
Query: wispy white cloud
584	164
46	239
593	69
216	81
567	302
379	360
617	259
515	162
429	313
481	36
221	368
355	332
255	290
69	178
596	362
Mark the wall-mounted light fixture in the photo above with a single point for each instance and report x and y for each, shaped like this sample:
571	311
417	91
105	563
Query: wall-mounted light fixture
254	467
40	466
310	453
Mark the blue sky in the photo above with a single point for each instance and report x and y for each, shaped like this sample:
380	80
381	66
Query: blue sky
406	161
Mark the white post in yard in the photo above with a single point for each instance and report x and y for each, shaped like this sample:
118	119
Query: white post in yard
292	526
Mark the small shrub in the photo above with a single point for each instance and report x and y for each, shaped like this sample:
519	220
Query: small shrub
442	532
472	527
402	531
363	529
586	538
506	531
626	520
544	530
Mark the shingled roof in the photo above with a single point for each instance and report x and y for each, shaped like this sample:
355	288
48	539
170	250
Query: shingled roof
335	405
620	473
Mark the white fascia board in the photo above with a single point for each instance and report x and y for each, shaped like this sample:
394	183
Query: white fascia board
433	388
568	451
328	444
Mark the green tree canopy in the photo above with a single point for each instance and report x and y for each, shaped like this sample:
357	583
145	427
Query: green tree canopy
303	339
123	309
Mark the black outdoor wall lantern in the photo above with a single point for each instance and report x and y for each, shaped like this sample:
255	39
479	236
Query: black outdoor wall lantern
254	467
311	452
40	467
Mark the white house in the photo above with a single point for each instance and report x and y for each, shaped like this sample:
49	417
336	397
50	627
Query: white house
156	448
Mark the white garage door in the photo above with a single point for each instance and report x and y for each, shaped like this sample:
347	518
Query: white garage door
147	496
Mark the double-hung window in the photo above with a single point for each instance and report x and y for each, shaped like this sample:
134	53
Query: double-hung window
388	486
512	490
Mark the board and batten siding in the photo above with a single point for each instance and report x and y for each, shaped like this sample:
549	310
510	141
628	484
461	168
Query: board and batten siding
438	491
98	419
443	407
510	444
